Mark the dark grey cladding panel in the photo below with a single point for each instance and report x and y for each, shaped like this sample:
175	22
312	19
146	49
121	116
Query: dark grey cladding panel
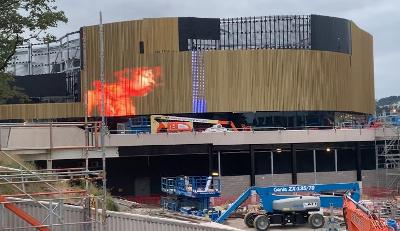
81	48
43	85
159	150
330	34
197	28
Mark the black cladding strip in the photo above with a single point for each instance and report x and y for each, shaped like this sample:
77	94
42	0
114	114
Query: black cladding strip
271	32
197	28
330	34
43	85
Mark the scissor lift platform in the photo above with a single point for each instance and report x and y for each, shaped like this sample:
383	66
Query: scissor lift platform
189	191
191	186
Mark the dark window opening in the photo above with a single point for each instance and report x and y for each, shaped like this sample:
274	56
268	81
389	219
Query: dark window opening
141	47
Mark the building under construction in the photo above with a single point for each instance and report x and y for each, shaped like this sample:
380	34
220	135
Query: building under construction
292	92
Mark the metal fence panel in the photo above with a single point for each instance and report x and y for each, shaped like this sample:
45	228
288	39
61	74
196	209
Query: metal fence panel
116	221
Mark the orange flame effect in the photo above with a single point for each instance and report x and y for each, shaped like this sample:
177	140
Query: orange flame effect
118	99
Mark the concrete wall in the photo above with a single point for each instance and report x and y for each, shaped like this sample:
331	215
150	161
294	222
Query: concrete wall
380	178
328	177
370	177
4	134
276	179
39	138
24	139
235	185
234	138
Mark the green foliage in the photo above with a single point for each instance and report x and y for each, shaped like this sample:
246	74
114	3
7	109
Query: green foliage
21	21
387	104
97	191
6	162
8	92
388	101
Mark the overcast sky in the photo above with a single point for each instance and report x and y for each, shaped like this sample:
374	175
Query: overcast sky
381	18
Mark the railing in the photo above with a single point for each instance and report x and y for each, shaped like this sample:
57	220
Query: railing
191	185
246	129
266	32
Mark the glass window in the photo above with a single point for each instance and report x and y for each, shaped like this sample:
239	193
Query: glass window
300	119
313	119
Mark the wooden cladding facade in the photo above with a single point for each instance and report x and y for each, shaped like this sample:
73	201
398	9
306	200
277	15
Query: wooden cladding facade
275	80
122	50
239	80
361	89
292	80
41	111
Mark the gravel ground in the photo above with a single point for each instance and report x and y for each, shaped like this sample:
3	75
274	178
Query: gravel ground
238	223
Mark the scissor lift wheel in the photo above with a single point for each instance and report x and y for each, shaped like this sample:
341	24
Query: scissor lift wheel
316	220
261	223
249	219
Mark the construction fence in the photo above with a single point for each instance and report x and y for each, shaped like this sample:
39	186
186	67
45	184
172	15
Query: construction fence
73	219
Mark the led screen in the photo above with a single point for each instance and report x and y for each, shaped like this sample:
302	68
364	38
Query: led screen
119	95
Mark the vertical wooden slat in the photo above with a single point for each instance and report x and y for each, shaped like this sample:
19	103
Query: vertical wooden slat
285	80
362	71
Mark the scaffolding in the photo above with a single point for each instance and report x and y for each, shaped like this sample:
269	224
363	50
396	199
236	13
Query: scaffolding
51	189
59	56
388	157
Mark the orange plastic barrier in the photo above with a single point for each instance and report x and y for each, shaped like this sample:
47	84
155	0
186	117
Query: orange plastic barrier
358	220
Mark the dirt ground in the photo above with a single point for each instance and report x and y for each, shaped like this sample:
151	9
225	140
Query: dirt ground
238	223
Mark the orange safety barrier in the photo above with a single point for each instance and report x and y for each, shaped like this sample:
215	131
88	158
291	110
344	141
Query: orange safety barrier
359	219
147	200
23	215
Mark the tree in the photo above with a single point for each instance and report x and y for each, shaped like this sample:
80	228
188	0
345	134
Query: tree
21	21
8	92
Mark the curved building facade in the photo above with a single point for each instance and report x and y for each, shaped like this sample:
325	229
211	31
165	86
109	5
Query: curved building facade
295	63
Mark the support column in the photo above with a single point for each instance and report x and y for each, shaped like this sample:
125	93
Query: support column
336	163
315	166
272	167
252	166
49	164
219	164
294	164
358	161
210	159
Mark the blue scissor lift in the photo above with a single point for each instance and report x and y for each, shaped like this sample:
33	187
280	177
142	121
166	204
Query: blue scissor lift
189	194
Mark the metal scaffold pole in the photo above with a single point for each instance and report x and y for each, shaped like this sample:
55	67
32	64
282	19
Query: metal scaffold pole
103	122
49	189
